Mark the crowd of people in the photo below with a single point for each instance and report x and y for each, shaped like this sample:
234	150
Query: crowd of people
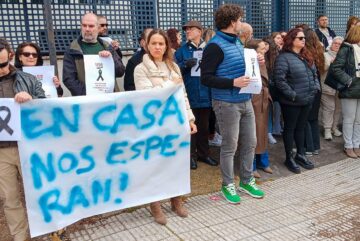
306	74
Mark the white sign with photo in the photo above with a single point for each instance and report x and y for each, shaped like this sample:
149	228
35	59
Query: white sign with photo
99	74
196	71
253	71
45	75
9	120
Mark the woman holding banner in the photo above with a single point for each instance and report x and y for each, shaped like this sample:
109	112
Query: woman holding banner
28	54
158	70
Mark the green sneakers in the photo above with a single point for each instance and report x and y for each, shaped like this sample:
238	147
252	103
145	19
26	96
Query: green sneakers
230	194
251	189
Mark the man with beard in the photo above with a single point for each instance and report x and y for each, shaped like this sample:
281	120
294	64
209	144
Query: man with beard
88	43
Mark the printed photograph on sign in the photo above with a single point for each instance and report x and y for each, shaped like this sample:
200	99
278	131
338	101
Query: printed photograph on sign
99	74
252	70
45	75
9	120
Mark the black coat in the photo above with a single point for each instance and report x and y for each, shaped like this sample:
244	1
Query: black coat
130	67
344	71
295	81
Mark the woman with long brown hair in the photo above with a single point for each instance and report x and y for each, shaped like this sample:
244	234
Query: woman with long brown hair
159	70
312	133
295	79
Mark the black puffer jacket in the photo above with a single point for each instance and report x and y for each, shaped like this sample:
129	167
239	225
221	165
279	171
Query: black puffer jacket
295	81
344	71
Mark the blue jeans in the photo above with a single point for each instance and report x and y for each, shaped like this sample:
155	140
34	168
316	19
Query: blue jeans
277	118
261	161
237	127
270	119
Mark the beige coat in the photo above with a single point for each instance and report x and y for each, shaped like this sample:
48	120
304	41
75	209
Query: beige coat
260	104
329	57
148	75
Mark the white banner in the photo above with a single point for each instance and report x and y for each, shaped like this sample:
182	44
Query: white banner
45	75
99	74
83	156
253	71
9	120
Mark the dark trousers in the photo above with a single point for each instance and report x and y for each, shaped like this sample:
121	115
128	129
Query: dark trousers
312	130
295	119
212	122
199	141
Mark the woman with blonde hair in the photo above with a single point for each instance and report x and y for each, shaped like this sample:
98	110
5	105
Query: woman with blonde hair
346	70
158	70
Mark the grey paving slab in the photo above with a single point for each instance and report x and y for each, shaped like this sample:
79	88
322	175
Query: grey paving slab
321	204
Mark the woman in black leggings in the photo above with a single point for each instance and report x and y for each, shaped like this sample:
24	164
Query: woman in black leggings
295	79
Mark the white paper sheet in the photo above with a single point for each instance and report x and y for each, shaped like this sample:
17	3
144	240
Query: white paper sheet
99	74
253	71
45	75
9	120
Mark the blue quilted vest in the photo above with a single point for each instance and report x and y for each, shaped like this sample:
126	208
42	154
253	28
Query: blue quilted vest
232	66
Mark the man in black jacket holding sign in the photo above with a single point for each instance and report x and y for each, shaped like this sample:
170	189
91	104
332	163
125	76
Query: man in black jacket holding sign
22	87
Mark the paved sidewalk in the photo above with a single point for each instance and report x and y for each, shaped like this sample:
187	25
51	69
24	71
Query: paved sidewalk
322	204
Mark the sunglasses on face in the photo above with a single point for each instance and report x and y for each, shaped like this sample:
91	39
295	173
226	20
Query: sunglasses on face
3	65
104	25
27	54
300	38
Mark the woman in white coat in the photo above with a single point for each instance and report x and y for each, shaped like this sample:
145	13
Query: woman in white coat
158	70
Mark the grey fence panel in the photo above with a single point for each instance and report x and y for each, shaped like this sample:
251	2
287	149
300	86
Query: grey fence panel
174	14
338	12
258	13
23	20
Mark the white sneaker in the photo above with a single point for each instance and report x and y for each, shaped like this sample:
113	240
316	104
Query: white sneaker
216	141
327	134
271	139
336	132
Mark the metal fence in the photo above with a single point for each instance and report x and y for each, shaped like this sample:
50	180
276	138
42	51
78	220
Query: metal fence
23	20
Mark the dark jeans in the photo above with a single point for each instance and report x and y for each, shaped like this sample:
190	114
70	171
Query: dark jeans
295	119
199	141
212	122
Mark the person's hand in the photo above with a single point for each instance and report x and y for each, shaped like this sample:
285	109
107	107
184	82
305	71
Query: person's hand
261	59
56	81
22	97
104	53
190	62
193	128
115	44
242	81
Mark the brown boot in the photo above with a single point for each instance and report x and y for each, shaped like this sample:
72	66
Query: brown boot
350	152
178	208
357	151
157	213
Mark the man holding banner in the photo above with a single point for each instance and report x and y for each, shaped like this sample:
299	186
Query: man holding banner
22	87
88	43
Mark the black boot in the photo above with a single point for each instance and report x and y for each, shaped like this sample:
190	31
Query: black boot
303	161
291	164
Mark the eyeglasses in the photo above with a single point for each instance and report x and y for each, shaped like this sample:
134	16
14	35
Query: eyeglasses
104	25
27	54
301	38
3	65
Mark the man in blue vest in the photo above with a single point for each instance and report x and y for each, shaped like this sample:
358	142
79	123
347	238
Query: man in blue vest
188	57
223	69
